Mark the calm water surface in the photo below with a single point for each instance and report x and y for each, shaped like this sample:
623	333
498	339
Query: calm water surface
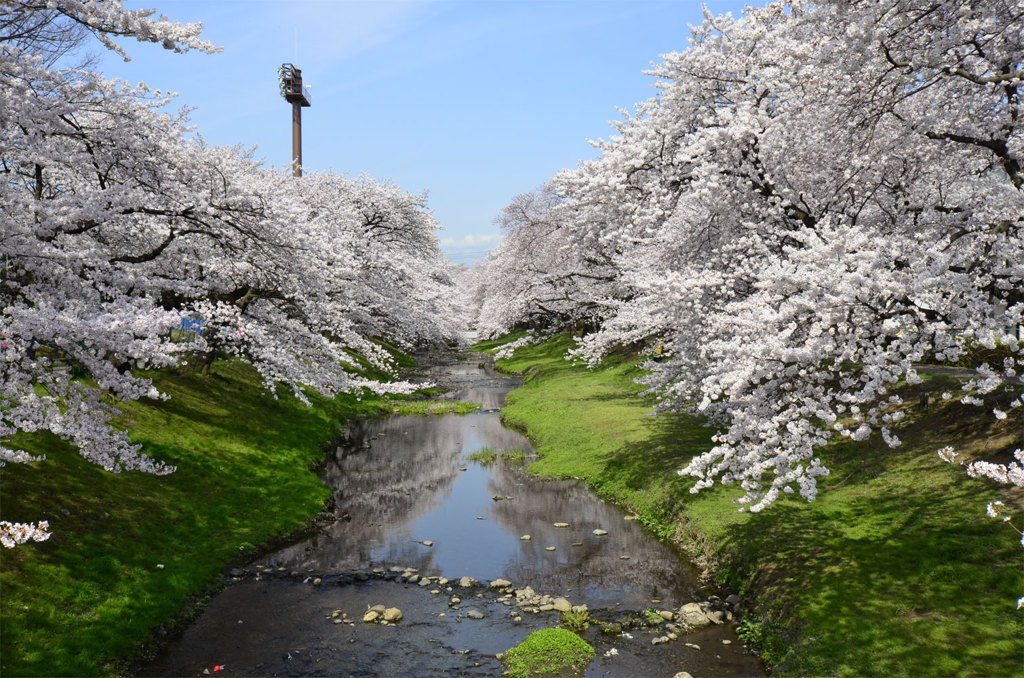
401	481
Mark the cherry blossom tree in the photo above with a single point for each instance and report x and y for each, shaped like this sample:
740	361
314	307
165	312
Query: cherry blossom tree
118	221
821	196
535	276
64	303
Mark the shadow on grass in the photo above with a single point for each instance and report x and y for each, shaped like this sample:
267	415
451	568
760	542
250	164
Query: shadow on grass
894	570
670	441
94	590
884	583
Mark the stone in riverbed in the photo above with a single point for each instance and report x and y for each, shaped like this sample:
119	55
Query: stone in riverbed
666	615
600	533
474	614
562	605
550	548
682	674
427	542
525	537
694	617
719	616
371	616
500	584
392	614
561	524
466	582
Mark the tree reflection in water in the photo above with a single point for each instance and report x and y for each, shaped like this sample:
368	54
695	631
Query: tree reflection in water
399	481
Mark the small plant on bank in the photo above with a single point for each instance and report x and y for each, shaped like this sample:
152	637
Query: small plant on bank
576	621
548	651
769	645
749	630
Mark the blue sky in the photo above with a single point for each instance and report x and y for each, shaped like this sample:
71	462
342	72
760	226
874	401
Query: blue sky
475	101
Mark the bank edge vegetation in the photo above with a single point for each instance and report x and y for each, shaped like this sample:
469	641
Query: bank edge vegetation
821	197
893	570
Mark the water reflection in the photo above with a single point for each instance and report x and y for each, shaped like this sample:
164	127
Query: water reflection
401	481
404	480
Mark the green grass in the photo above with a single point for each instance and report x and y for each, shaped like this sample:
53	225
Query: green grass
485	456
549	651
81	603
514	456
576	621
894	570
425	408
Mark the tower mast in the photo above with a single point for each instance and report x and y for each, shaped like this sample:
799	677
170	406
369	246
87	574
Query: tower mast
290	80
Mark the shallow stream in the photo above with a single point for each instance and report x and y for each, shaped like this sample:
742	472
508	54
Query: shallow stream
410	504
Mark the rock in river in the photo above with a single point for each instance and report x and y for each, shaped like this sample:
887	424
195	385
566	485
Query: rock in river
600	533
691	615
392	614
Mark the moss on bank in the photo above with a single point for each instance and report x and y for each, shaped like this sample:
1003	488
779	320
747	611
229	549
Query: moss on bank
129	550
895	570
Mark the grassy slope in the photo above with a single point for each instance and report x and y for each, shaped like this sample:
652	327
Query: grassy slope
84	600
894	571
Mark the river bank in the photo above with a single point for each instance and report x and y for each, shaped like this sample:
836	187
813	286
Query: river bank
445	554
130	551
895	570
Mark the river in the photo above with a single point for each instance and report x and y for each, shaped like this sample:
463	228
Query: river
413	510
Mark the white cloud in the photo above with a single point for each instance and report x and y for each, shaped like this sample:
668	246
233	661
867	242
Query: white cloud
472	240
